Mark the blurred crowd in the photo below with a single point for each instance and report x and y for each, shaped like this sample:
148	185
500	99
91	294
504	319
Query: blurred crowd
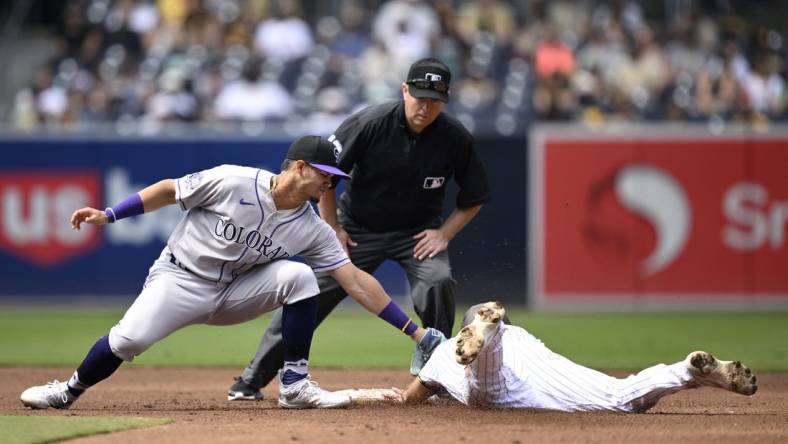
144	63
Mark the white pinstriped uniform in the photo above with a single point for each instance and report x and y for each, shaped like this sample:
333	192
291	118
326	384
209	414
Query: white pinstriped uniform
515	369
228	267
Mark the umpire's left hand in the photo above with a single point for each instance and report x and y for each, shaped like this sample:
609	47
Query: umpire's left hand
431	242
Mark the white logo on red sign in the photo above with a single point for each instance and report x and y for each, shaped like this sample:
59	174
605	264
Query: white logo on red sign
35	208
659	198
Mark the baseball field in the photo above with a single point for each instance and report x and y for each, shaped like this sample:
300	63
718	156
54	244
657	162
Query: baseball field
176	392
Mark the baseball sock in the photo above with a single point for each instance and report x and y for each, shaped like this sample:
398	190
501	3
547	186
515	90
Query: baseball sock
97	366
298	326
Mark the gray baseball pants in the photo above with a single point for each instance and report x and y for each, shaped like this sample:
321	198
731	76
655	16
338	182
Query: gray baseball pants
431	284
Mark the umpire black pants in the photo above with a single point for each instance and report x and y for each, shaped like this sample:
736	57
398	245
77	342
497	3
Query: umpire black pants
431	284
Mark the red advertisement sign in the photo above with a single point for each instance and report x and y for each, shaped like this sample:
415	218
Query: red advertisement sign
663	217
35	208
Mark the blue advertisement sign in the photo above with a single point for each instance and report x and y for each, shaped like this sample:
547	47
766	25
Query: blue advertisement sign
43	181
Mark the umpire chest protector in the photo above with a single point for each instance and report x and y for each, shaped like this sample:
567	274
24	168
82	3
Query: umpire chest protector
399	179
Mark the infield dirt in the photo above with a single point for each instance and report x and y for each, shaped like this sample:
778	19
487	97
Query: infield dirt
196	400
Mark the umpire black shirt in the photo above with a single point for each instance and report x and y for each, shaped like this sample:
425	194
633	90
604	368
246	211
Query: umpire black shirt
398	178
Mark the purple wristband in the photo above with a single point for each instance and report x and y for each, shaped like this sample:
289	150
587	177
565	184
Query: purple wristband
131	206
396	317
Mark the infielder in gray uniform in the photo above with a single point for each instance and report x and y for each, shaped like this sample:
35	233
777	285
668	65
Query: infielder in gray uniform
492	364
225	263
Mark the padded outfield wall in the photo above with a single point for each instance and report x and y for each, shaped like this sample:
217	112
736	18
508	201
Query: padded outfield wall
43	179
620	217
657	217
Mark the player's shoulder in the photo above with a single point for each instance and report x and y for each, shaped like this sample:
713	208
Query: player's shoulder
307	214
238	170
321	226
233	173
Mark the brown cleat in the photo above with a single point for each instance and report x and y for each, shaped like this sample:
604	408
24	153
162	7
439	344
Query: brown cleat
729	375
471	338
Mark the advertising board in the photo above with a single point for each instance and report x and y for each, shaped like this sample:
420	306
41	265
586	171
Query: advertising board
674	217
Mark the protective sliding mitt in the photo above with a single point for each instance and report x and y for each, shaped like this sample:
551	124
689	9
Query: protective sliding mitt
424	349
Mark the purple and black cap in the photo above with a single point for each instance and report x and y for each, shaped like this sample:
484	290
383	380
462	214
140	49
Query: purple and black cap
429	79
317	152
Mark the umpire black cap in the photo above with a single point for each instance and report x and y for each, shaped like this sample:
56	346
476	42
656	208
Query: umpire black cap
317	152
429	79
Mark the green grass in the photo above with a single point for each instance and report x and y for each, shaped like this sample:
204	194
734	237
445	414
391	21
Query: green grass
351	338
42	429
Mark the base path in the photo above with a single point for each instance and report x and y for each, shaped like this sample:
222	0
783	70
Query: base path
196	400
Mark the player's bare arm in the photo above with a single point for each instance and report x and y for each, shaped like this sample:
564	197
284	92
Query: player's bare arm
152	198
328	212
432	242
415	393
158	195
365	289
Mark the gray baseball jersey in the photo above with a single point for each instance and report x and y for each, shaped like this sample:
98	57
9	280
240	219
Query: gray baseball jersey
223	263
515	369
233	224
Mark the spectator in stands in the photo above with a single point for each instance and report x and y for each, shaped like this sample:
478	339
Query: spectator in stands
24	115
112	56
284	36
72	30
200	29
352	39
486	16
644	74
553	57
251	98
378	74
96	106
174	12
407	30
175	99
684	51
764	89
448	46
555	63
51	99
143	17
718	91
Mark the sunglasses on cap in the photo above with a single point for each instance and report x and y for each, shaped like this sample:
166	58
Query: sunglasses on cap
435	85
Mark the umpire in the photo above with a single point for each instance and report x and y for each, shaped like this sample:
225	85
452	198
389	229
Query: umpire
401	155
